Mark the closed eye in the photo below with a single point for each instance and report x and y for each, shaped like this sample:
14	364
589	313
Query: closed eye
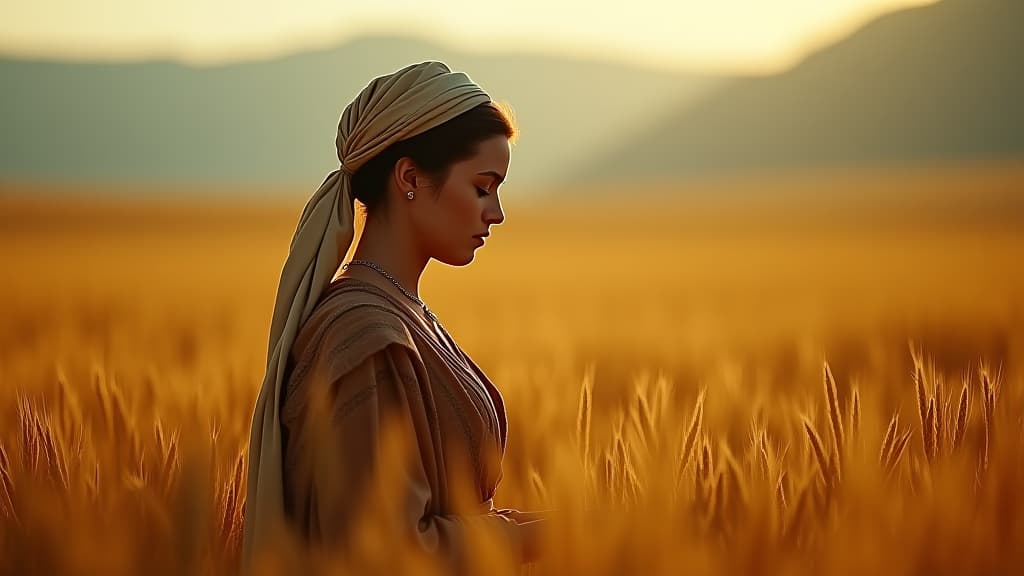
481	192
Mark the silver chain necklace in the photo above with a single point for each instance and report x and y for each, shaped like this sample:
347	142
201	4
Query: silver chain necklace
421	304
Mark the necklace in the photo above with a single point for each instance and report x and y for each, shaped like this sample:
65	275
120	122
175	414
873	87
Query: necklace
419	302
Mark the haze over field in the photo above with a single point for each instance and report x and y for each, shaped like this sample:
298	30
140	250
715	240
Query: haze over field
933	85
757	304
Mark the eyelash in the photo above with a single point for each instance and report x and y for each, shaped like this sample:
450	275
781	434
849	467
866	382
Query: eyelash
481	192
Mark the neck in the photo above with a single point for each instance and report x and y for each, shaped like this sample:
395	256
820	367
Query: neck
391	248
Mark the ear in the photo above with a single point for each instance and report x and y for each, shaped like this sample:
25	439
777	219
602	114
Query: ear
406	174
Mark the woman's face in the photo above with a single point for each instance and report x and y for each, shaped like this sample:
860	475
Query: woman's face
467	205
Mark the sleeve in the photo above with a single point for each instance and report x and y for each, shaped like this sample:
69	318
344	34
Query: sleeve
374	467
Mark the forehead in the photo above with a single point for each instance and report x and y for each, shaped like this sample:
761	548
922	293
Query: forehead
492	154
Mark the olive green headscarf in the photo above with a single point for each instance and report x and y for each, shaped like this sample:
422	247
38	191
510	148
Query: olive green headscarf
390	108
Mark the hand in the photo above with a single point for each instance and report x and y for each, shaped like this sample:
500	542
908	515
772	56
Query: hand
521	517
535	528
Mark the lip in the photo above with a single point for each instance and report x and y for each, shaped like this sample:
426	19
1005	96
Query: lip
480	238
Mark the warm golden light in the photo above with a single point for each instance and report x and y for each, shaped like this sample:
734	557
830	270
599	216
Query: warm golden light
732	35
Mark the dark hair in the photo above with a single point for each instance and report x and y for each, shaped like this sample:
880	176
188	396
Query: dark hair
433	151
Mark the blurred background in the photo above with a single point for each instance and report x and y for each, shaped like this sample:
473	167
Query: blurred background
797	159
246	97
724	192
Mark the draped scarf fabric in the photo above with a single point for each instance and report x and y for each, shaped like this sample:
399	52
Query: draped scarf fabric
390	108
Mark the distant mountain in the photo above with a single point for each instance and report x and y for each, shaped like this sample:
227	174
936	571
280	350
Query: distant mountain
274	122
941	83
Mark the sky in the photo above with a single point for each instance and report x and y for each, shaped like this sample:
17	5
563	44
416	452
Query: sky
731	36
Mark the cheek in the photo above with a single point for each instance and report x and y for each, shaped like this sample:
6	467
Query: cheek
454	215
463	209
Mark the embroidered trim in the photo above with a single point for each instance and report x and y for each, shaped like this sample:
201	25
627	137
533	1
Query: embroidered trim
356	400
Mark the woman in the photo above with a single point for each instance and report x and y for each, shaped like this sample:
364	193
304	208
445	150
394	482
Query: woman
424	150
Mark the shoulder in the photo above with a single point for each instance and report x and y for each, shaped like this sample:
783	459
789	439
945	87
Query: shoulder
353	342
351	322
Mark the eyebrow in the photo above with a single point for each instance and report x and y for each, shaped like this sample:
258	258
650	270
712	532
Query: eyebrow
497	176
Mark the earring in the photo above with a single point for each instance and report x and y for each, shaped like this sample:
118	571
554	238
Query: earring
410	194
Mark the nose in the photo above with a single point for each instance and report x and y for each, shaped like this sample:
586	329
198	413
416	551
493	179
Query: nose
494	214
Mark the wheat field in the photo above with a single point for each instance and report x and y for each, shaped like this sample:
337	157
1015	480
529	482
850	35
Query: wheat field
699	385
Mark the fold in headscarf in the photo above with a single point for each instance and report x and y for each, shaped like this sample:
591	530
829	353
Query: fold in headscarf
390	108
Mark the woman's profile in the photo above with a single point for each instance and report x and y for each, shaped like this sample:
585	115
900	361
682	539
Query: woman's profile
424	150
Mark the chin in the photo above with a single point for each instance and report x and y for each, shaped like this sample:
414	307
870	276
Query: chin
458	259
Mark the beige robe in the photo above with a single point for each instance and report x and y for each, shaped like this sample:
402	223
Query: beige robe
362	359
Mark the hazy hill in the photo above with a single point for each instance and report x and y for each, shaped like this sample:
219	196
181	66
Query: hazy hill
274	122
936	84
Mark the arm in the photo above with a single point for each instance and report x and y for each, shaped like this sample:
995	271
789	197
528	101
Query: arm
374	467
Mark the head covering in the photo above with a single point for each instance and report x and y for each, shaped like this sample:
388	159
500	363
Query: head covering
390	108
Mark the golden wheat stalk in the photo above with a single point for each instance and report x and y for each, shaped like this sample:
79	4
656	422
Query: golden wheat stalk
963	412
625	468
989	389
637	426
621	466
854	427
141	470
780	490
941	410
948	427
159	435
123	424
988	411
930	430
618	468
239	526
29	447
922	400
170	464
762	453
6	485
102	393
834	414
889	439
92	484
896	452
68	405
41	462
703	478
53	451
609	473
662	392
648	427
818	449
689	440
230	512
78	446
634	480
780	460
583	417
